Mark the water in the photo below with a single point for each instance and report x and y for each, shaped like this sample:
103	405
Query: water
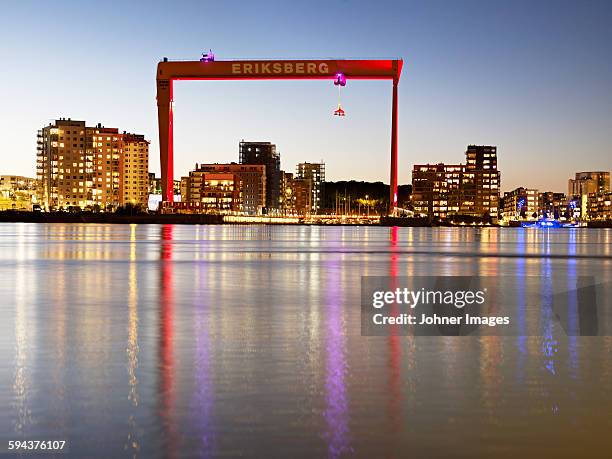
206	341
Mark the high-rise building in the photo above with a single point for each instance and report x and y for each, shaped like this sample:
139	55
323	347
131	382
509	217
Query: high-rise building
64	164
251	183
472	189
80	166
135	165
480	182
586	183
521	203
436	189
264	153
315	173
107	168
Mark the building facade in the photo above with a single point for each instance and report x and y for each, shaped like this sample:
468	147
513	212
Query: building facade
600	206
214	192
135	170
302	195
436	189
315	174
80	166
250	182
18	192
521	204
480	183
264	153
287	196
552	205
442	190
64	164
154	184
107	167
585	183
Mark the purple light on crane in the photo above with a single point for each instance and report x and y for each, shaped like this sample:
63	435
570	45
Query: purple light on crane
208	57
340	79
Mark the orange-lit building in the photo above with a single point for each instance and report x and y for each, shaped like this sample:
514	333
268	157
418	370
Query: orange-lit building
64	165
250	180
302	195
107	183
214	192
600	206
80	166
585	183
135	170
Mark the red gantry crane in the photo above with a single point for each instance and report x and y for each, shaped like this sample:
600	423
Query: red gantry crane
208	68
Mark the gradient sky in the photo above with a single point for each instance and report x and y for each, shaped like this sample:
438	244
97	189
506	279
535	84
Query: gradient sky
533	78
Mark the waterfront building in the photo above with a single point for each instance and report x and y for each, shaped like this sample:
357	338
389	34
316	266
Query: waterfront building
436	189
586	183
442	190
134	161
585	188
18	192
250	182
521	204
80	166
184	188
64	164
107	169
213	192
480	182
314	173
302	195
264	153
17	183
552	205
600	206
287	196
577	207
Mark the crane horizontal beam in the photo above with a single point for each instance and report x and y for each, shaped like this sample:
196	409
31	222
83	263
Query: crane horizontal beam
279	69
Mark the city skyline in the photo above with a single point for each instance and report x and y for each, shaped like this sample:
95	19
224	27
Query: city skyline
516	80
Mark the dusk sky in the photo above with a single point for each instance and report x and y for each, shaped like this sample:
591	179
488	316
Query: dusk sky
533	78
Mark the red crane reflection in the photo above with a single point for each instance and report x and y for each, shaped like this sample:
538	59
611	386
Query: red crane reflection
166	350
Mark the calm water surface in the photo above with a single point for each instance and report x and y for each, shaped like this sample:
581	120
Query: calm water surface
206	341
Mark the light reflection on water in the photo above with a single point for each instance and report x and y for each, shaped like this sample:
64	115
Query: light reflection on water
171	341
132	442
